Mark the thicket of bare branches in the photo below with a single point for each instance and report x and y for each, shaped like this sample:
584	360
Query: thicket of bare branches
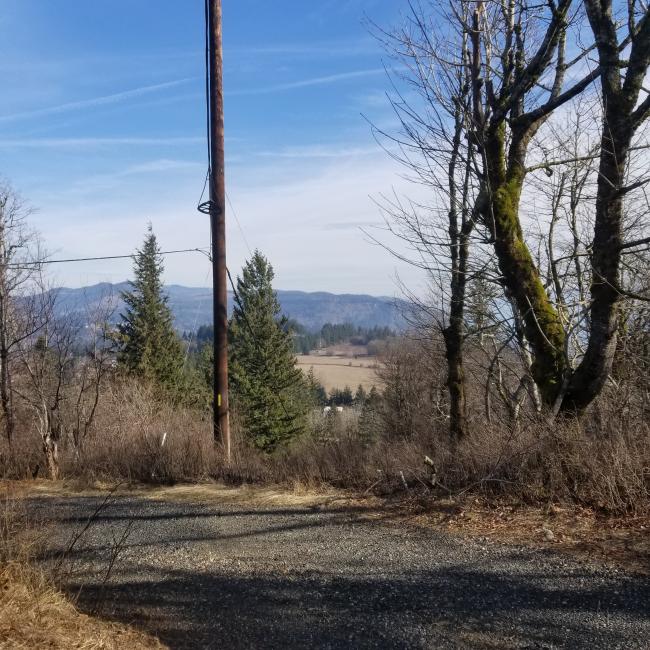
525	125
52	367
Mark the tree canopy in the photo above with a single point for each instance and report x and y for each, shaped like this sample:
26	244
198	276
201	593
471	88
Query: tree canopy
148	344
269	391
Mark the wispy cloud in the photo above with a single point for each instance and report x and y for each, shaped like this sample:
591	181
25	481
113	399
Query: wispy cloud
321	152
345	225
313	81
161	165
325	49
146	175
104	100
85	143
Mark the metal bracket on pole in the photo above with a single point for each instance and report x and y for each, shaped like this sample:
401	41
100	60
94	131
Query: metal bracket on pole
207	207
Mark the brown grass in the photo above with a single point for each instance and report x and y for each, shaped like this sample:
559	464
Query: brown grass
340	371
33	613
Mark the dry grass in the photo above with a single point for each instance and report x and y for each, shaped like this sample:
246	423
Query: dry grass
340	371
33	613
192	492
581	532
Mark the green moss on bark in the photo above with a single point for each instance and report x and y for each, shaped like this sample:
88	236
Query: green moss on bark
542	323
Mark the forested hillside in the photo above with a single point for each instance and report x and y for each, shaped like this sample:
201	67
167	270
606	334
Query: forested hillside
192	306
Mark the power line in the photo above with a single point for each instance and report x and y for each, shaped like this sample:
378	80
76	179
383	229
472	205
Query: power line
103	257
196	320
241	230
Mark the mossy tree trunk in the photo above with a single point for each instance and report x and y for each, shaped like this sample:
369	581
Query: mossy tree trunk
541	322
515	52
561	385
623	115
504	130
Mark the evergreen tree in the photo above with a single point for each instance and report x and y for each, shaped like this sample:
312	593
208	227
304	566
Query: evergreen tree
371	422
268	389
148	344
342	397
316	390
480	317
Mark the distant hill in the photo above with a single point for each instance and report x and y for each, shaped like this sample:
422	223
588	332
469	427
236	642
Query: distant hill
193	306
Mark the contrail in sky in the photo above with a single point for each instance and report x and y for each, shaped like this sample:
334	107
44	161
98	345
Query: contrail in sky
115	98
303	83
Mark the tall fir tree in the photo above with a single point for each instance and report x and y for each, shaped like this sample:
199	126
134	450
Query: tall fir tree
268	389
148	344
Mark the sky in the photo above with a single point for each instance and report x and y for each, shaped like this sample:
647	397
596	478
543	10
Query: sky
102	129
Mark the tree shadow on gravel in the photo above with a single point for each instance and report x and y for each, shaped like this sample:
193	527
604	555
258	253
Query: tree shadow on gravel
362	594
270	522
452	607
121	509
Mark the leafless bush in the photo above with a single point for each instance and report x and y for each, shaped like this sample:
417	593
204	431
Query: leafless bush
23	457
414	386
601	460
137	437
603	468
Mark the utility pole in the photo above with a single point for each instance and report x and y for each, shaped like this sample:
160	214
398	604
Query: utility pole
217	213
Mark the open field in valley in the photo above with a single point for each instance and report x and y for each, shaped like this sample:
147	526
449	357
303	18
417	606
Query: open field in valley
340	371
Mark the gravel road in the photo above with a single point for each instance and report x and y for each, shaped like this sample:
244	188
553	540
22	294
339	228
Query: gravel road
229	575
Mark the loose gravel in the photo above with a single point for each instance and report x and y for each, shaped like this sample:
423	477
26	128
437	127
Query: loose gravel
211	575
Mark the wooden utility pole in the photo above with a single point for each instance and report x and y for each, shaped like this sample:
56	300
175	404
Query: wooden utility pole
218	226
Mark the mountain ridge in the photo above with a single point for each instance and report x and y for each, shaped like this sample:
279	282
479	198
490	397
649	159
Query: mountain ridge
192	306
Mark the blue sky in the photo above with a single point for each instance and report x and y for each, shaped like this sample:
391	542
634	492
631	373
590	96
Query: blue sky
102	128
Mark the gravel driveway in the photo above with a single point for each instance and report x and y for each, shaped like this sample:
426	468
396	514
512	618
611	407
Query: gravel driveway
228	575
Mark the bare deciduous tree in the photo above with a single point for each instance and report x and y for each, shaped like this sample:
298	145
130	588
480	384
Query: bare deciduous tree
623	63
434	147
20	317
515	65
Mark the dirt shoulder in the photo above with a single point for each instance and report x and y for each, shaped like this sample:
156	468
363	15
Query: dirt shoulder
622	542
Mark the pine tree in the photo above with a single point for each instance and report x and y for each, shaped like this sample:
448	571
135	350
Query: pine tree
360	396
316	390
268	390
370	419
479	310
149	345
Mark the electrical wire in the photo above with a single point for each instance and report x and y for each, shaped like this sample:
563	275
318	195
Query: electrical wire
38	263
208	113
241	230
209	182
207	85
